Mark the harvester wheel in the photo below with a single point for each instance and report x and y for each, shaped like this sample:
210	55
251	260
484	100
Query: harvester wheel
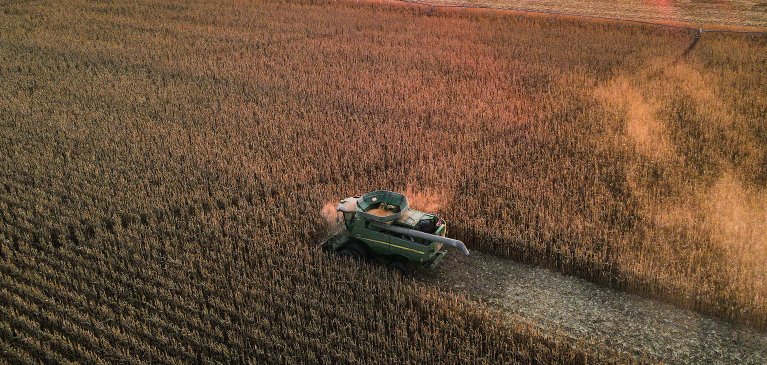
324	247
353	252
399	269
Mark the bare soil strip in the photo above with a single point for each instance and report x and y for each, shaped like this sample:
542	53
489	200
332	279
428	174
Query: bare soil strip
581	309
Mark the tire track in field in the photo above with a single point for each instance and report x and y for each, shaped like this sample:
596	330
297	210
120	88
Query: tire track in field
578	308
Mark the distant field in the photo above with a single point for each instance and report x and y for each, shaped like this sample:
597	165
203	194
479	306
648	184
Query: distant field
701	12
163	165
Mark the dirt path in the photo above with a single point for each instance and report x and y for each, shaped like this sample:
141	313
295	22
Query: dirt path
579	308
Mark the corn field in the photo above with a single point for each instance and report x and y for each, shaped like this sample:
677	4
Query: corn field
706	13
164	164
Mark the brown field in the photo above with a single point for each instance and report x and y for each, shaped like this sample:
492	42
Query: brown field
708	14
163	167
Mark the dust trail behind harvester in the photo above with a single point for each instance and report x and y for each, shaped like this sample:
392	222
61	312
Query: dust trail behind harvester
331	216
426	199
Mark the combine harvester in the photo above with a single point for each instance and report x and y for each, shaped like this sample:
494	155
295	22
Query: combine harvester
381	226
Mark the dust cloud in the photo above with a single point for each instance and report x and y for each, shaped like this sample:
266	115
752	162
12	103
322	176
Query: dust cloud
330	215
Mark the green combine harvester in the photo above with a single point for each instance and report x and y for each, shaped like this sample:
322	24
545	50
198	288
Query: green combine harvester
381	226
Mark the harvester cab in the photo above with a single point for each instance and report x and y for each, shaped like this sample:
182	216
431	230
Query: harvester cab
381	226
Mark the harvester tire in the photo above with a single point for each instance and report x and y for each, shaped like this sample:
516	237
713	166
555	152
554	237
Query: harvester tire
353	252
399	269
